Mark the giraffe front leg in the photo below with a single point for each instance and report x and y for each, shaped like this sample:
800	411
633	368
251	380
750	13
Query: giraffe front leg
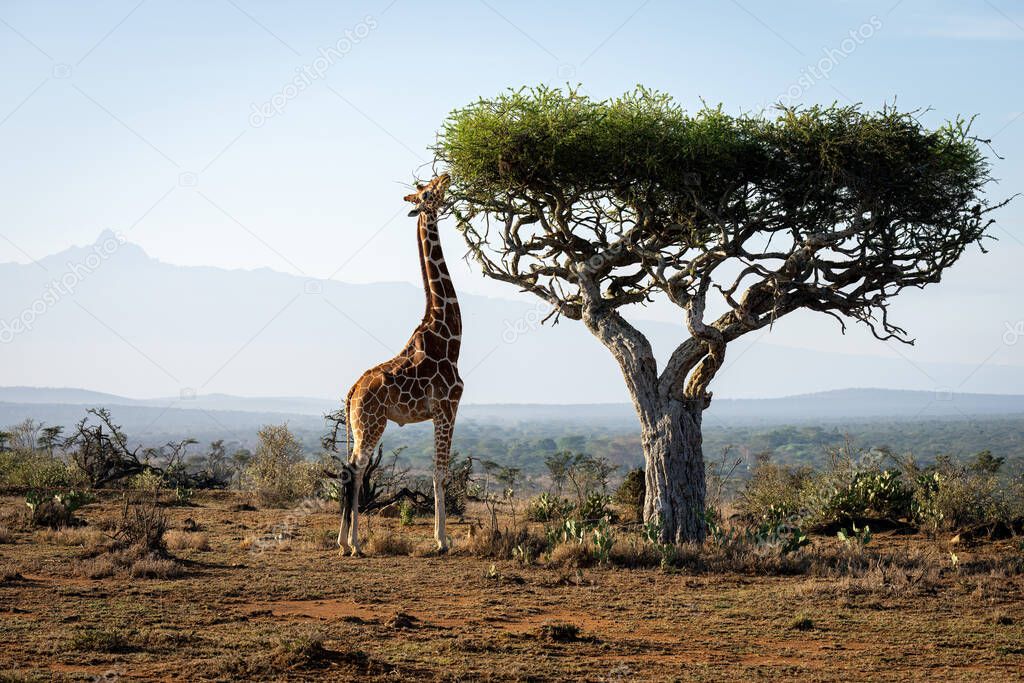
442	452
353	534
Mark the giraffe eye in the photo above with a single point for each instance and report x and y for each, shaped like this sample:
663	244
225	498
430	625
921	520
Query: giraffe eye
428	195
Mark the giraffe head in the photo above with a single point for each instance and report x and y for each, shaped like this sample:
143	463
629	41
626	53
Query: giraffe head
429	197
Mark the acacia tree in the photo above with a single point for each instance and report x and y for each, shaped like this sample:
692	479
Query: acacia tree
596	207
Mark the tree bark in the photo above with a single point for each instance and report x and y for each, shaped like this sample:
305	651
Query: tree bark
674	473
670	424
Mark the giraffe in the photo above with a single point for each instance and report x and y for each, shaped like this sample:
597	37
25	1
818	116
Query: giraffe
421	383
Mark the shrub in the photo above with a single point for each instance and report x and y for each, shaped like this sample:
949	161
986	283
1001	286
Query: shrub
147	481
102	640
142	524
858	494
184	540
571	555
37	469
55	510
278	474
560	632
593	507
773	492
631	492
388	543
960	496
136	562
548	508
84	537
406	512
153	566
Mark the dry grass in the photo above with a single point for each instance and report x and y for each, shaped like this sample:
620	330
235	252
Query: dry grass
6	535
134	562
388	543
184	540
83	537
153	566
571	556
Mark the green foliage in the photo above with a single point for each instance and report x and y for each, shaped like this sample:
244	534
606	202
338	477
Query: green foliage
278	473
603	538
35	468
643	146
547	508
651	535
183	495
56	510
986	462
773	492
593	507
859	536
406	512
865	494
147	480
768	535
631	492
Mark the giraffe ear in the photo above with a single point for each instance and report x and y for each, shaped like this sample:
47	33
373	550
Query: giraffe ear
414	212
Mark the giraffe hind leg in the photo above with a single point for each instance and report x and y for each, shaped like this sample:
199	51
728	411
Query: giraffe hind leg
365	442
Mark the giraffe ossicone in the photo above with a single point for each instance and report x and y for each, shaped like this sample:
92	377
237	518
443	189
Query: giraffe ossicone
420	383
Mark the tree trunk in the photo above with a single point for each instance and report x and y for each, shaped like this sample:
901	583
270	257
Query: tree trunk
670	423
675	485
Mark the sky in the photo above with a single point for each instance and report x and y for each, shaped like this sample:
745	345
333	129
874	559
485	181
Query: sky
249	134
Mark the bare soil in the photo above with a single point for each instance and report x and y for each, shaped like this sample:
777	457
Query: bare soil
297	610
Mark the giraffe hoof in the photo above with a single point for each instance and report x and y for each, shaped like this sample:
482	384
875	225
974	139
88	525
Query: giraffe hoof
356	552
442	550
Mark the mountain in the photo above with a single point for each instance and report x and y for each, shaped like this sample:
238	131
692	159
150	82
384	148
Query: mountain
109	316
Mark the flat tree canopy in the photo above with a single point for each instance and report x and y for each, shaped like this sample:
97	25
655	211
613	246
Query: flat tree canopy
595	205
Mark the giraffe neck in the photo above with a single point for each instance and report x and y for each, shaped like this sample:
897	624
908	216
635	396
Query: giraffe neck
442	302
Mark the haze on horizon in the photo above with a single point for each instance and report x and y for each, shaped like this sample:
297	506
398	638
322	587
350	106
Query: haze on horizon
152	120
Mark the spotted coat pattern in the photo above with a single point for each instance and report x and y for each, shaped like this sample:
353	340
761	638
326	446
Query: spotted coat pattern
420	383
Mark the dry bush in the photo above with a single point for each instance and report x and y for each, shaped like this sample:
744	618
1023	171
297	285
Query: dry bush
571	555
388	543
110	641
9	574
773	490
74	536
142	523
153	566
6	536
184	540
502	544
635	554
323	540
559	632
99	567
278	473
135	562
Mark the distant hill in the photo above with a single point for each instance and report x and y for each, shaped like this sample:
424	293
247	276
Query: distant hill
138	326
840	404
237	419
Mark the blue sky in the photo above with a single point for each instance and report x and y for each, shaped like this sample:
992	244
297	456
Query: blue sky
138	117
